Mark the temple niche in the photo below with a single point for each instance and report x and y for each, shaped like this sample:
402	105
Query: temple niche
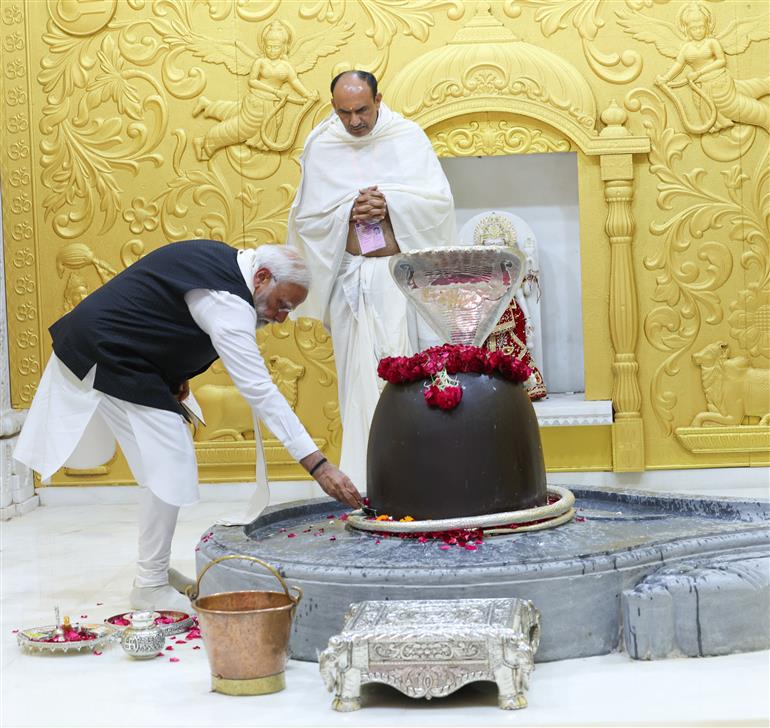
541	191
638	161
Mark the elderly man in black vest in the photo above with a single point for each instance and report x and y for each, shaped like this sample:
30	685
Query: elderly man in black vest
120	368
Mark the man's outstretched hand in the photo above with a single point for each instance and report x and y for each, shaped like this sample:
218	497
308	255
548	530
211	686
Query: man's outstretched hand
333	481
336	484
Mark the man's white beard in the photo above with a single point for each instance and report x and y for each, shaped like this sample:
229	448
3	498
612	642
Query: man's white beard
260	304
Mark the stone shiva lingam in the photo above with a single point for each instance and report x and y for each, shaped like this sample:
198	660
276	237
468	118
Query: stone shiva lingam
454	441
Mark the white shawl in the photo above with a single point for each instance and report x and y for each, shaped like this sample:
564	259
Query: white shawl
397	157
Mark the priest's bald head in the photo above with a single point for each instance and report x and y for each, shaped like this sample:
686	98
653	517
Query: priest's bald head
356	101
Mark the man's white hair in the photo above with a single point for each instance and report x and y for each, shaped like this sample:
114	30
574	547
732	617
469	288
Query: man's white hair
285	264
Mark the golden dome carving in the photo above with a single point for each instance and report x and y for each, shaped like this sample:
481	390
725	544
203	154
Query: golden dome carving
485	67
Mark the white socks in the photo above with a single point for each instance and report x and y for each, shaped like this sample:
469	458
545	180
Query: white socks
156	598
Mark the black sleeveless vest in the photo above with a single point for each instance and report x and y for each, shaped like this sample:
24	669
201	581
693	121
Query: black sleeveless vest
137	328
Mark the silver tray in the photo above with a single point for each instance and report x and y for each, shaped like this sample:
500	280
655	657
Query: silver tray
184	622
30	639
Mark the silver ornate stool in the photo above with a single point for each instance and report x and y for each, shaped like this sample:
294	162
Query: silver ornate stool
430	648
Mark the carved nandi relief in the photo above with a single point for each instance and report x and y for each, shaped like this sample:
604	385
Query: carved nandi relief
734	388
228	415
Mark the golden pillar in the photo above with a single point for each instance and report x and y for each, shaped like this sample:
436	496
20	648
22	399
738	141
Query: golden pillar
617	173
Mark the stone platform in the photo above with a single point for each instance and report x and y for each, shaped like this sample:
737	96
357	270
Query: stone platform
581	576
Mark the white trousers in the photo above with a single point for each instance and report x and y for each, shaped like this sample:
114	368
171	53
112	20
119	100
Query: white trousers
157	523
157	518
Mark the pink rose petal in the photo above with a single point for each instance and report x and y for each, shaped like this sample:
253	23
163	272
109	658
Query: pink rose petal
332	538
445	547
97	653
170	647
14	631
174	659
84	616
197	647
291	535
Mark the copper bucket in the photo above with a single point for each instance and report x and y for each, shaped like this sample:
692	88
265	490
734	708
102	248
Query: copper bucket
246	634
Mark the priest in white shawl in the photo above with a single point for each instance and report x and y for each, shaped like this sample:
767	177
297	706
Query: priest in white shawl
366	168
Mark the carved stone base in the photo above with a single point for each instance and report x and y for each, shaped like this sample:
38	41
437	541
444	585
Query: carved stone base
430	648
716	605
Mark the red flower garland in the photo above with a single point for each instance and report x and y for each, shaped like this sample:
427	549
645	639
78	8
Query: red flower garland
451	359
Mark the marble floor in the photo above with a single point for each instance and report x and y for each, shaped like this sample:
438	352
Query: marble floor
79	556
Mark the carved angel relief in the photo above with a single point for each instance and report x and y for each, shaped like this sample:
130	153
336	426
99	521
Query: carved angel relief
720	101
261	119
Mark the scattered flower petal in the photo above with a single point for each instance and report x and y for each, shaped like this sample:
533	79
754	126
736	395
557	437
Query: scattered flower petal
173	659
97	653
445	547
170	647
291	535
332	538
197	647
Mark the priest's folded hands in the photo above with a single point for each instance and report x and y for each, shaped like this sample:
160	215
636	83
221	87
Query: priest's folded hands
369	206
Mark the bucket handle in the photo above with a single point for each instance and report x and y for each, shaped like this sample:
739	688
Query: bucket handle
193	592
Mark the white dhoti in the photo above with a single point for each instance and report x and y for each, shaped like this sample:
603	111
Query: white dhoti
72	424
369	321
354	296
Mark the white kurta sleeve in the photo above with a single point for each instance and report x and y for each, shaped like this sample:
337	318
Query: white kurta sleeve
231	323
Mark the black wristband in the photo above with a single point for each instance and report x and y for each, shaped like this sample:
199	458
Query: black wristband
317	465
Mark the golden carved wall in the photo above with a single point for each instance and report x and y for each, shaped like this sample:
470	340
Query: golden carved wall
128	124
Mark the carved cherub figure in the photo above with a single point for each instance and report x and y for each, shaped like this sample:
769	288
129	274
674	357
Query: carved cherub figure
257	118
721	100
